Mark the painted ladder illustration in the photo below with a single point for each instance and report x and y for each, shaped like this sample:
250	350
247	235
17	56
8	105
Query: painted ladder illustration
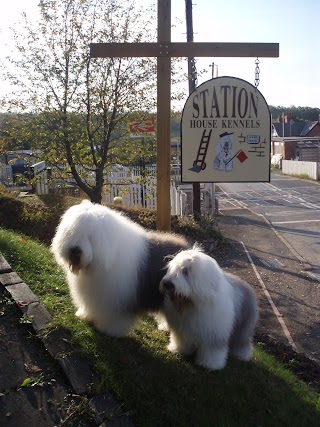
199	163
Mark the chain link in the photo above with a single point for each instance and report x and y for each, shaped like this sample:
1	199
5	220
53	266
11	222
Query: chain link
194	73
257	73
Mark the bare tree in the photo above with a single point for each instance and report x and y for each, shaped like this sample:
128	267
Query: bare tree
80	106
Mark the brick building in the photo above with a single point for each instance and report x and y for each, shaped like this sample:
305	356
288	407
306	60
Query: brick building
296	140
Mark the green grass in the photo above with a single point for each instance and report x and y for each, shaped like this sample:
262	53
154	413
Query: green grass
156	387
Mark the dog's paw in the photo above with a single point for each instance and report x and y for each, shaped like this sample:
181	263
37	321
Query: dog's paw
243	353
82	314
213	359
172	348
162	323
212	365
116	326
163	327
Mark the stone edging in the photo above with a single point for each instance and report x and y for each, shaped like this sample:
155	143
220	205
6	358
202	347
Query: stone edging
56	342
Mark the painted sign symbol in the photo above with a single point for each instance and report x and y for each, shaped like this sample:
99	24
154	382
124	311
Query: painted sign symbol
199	163
253	139
224	153
240	155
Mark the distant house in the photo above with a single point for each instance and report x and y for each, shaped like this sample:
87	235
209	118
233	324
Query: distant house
15	164
293	128
296	140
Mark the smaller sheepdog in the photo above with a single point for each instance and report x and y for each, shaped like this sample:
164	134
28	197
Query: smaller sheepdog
209	312
113	265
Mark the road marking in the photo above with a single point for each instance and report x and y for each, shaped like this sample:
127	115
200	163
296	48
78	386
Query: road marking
291	212
314	274
264	200
272	263
273	187
232	200
283	240
306	205
311	205
274	307
295	222
236	203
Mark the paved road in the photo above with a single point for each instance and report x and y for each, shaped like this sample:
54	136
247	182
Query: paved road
291	205
278	223
289	299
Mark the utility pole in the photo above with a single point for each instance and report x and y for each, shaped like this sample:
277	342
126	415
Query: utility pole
213	66
192	76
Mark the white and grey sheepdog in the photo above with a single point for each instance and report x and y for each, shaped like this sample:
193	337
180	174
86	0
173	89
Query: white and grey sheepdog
209	312
113	265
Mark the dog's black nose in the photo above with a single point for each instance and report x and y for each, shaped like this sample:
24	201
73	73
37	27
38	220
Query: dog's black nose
168	286
74	255
75	250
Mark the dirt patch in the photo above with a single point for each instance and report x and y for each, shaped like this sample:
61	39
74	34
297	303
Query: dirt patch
302	366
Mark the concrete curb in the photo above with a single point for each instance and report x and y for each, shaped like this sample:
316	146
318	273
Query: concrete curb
106	409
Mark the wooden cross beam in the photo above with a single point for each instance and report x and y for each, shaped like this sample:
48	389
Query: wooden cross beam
164	49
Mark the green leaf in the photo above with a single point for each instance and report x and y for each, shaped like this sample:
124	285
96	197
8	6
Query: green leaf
26	382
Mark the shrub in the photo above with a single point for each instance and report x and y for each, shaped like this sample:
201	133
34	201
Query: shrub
38	218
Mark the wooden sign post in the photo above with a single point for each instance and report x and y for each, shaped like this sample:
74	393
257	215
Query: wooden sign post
164	50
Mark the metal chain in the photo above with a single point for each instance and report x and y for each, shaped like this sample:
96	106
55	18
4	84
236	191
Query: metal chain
257	73
194	73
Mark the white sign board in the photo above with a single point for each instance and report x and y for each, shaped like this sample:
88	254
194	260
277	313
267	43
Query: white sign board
225	133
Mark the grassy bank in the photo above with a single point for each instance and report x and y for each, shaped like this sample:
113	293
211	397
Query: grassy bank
156	387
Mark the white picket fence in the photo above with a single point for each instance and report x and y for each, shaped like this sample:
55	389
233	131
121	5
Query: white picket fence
293	167
125	183
139	195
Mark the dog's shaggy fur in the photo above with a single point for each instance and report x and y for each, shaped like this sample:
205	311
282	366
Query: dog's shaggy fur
113	265
209	312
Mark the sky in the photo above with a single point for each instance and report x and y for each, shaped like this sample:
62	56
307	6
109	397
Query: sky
291	79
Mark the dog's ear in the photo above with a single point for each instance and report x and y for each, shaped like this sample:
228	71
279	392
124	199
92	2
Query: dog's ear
198	247
185	271
85	202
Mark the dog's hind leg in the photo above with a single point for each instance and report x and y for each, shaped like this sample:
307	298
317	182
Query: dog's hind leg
242	351
117	326
241	342
212	357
